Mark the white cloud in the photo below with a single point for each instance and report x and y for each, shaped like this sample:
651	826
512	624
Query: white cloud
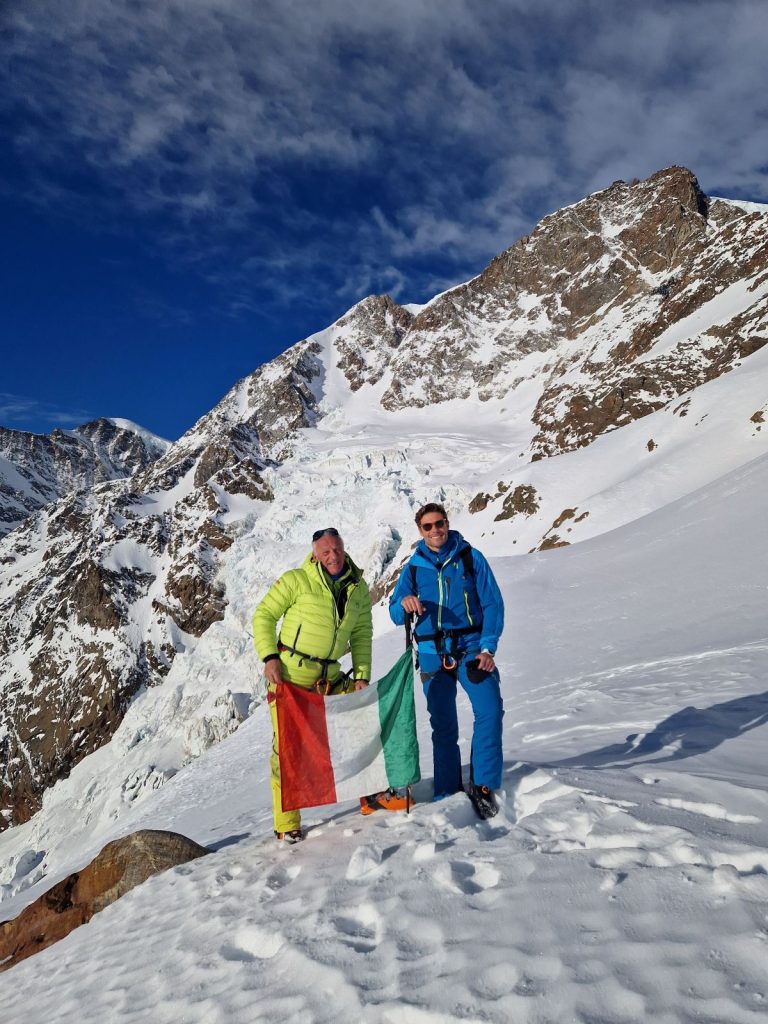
680	84
17	410
467	120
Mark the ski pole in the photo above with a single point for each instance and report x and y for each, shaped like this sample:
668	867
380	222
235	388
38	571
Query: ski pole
409	619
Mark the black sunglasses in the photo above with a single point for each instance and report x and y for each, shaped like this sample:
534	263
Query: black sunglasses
428	527
329	531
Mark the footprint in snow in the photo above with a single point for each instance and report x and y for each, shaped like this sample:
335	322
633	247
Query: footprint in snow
424	851
219	882
465	876
495	981
612	880
251	942
490	832
418	939
752	883
427	849
279	878
359	927
365	863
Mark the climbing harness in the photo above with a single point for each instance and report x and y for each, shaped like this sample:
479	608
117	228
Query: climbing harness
325	663
323	684
447	656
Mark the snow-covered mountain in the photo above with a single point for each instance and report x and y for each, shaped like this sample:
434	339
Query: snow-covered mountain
36	469
642	308
625	878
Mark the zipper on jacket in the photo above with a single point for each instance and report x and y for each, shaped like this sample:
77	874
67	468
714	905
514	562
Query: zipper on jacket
336	619
335	628
440	588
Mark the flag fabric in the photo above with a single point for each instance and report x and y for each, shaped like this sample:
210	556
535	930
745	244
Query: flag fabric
343	747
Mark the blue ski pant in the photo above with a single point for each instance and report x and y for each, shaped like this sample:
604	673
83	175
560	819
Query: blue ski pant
486	760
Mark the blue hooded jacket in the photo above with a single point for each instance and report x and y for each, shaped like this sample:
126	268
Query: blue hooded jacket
452	598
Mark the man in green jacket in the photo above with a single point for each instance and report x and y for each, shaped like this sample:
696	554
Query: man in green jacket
325	609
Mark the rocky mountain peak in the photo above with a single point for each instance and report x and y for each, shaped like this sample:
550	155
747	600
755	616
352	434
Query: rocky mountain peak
128	446
575	306
36	469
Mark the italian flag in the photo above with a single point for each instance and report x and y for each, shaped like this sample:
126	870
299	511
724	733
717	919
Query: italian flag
343	747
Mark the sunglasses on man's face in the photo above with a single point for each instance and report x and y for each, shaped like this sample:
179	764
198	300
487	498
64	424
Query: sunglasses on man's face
437	524
329	531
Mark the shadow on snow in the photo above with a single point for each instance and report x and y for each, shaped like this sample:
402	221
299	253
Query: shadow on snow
685	733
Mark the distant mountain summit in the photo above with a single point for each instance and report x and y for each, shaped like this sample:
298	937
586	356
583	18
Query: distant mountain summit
612	306
609	310
36	469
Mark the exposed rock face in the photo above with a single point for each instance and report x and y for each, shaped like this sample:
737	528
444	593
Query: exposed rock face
582	306
479	502
367	337
99	591
521	501
120	867
36	469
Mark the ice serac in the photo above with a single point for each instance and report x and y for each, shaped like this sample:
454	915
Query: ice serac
100	590
36	469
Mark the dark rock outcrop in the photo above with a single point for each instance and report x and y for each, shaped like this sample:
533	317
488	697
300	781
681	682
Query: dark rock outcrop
521	501
118	868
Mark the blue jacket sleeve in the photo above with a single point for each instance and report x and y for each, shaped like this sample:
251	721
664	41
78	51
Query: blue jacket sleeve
491	602
402	589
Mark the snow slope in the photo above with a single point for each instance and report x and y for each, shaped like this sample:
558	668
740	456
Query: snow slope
625	880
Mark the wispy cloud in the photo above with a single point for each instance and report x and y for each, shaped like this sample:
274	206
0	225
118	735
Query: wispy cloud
17	411
286	144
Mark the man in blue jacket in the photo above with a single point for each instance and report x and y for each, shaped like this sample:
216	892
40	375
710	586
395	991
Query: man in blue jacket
449	586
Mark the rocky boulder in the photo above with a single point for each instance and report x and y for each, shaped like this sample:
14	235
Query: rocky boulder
120	867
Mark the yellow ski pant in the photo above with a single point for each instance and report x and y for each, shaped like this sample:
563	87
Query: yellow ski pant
286	821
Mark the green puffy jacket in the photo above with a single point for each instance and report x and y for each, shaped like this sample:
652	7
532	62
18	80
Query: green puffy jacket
304	600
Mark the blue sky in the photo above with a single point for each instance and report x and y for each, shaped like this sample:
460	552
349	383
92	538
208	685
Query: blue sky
188	187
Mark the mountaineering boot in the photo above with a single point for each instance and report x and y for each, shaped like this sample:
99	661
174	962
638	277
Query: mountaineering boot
483	801
389	800
294	836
